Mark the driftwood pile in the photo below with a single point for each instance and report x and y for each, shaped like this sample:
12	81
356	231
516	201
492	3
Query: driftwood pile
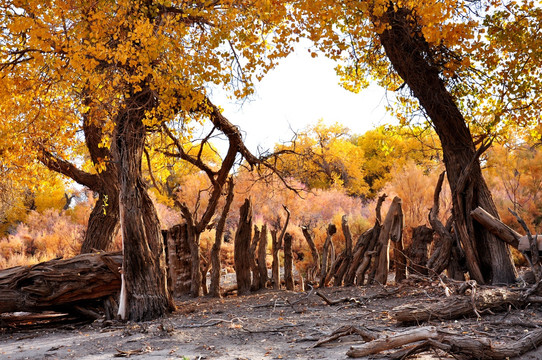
468	300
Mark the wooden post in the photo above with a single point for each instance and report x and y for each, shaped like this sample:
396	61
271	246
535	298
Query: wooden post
242	249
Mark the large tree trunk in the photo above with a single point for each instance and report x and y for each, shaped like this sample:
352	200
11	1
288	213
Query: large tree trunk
488	259
241	253
144	293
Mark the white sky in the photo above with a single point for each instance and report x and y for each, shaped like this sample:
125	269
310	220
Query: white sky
298	92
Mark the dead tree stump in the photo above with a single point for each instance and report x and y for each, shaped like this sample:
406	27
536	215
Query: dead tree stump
254	261
392	227
288	262
242	258
418	251
328	245
179	260
315	267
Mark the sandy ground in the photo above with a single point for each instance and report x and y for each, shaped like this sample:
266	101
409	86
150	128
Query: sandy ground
266	325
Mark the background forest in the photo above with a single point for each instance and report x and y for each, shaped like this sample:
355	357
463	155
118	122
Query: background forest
332	173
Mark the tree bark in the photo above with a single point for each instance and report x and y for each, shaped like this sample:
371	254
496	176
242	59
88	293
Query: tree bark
242	248
214	289
288	262
488	260
144	293
179	260
262	257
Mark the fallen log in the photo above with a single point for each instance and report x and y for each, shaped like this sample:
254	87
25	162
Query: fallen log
471	347
458	306
60	285
391	342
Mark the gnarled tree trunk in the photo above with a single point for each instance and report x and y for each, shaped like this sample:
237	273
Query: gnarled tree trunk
488	259
144	293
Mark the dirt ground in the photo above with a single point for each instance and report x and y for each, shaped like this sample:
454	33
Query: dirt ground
265	325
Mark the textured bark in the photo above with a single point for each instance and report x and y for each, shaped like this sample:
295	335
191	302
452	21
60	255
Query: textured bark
315	267
288	262
144	293
418	251
391	228
214	289
262	257
488	260
242	248
60	285
179	260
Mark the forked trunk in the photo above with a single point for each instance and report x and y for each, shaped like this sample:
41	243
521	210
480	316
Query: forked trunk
144	293
488	258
